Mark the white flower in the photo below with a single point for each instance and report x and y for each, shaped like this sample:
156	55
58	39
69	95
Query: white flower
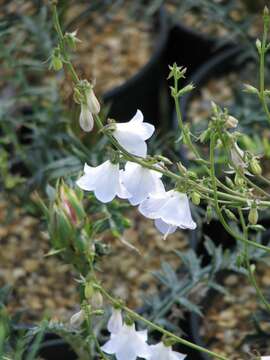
86	118
132	134
127	344
140	182
92	102
169	209
77	319
162	352
104	180
115	322
265	357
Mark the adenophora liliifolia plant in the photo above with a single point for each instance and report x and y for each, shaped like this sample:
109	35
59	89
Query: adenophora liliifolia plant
133	175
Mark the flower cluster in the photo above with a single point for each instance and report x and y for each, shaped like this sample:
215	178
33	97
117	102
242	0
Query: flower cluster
127	343
140	185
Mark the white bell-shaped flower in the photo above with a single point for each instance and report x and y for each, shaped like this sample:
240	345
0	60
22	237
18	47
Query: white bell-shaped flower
115	322
140	182
169	210
132	135
162	352
104	180
265	357
127	344
86	119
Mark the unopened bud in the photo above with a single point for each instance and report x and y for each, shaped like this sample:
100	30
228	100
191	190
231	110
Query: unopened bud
88	290
86	118
77	319
250	89
231	122
253	215
230	215
71	39
259	45
196	198
96	300
56	63
255	166
229	182
92	102
239	180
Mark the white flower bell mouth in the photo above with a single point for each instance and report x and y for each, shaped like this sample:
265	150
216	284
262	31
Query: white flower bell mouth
140	182
127	344
104	180
169	210
132	135
162	352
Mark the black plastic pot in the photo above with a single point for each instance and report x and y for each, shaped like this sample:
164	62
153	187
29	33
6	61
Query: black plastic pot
143	90
55	348
218	65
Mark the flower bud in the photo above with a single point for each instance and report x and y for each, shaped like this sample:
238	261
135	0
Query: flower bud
56	63
231	122
229	182
71	39
196	198
86	118
239	180
96	300
230	215
255	166
250	89
92	102
253	215
259	45
77	319
88	290
205	135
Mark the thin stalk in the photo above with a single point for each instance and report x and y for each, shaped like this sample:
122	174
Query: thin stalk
262	53
160	329
217	208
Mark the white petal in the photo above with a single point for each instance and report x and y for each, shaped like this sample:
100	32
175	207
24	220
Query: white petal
140	182
77	319
113	345
115	322
86	119
131	142
107	186
176	211
164	228
151	206
88	180
144	130
122	192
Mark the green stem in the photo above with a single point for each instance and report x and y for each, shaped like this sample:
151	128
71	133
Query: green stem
163	331
262	53
217	208
177	178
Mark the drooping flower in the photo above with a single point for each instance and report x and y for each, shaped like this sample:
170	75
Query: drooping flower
132	135
140	182
104	180
169	210
265	357
162	352
127	343
115	322
86	119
